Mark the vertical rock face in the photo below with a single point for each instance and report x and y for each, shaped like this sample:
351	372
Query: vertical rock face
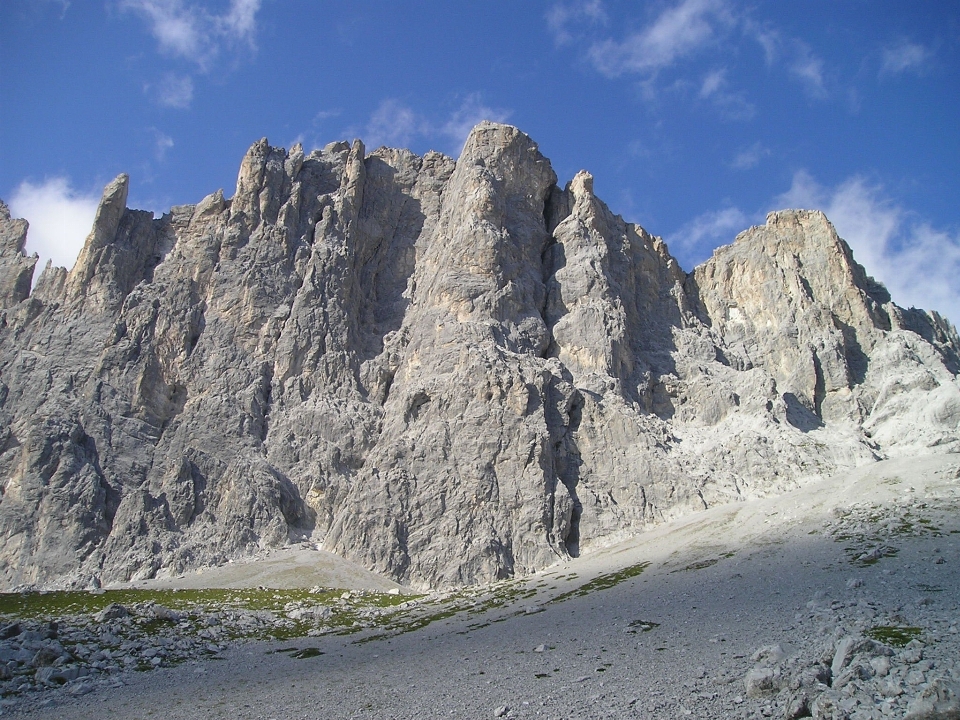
16	270
449	371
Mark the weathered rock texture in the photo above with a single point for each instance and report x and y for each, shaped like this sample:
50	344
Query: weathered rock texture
449	371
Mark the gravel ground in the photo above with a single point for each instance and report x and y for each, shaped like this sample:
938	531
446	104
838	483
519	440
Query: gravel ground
840	600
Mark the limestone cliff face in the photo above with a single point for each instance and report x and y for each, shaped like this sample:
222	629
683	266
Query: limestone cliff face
450	371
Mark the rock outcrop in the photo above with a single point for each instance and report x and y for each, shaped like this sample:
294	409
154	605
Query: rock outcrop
450	371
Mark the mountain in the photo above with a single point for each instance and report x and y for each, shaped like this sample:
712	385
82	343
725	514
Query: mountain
448	371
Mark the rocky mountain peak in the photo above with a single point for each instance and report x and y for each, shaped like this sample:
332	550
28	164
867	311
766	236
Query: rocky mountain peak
449	371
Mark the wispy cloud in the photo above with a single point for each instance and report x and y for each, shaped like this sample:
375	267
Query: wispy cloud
395	124
807	67
60	219
61	5
918	263
677	31
162	143
733	105
904	56
562	16
310	138
769	38
471	111
749	157
186	30
695	240
675	40
189	31
174	91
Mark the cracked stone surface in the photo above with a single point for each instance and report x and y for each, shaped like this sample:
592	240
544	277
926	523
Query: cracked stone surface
447	371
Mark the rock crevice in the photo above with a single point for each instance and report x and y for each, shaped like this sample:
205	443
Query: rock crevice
449	371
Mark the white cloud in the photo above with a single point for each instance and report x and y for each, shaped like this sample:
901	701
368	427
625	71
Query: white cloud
189	31
310	138
767	37
918	263
693	242
60	219
749	157
63	5
471	111
393	124
733	105
161	144
396	125
240	22
175	91
904	56
807	68
562	15
712	83
686	28
676	32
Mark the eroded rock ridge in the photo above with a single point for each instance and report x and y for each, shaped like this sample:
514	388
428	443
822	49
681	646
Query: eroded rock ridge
448	371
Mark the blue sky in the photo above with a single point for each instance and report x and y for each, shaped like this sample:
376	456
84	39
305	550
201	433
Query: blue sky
696	117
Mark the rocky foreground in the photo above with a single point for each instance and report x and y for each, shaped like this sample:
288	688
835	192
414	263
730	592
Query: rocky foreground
448	371
839	600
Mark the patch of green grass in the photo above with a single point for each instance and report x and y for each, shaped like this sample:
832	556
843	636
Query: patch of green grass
603	582
894	635
270	605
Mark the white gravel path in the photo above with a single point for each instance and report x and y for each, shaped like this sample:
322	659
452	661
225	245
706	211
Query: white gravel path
676	640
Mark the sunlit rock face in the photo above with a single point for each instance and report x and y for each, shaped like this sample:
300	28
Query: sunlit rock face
449	371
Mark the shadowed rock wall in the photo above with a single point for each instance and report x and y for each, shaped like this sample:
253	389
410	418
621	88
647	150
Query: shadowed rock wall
450	372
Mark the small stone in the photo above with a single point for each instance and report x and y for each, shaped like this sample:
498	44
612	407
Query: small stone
540	648
113	611
45	656
9	631
940	700
760	682
880	665
81	688
891	689
827	706
164	613
797	707
842	654
501	711
915	677
769	654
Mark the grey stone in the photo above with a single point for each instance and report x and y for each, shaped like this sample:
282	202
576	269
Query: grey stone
449	371
113	611
940	700
828	705
761	682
